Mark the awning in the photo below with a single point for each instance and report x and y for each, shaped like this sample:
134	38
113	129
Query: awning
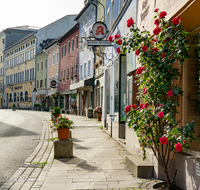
83	84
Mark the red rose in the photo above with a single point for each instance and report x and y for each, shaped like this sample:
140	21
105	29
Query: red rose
156	31
178	147
56	120
141	106
166	39
60	116
133	106
176	21
155	40
144	67
139	71
155	50
118	50
163	14
157	21
156	10
163	55
163	140
170	93
110	39
184	141
160	114
137	52
159	105
146	105
127	108
67	118
119	42
144	48
116	36
144	90
129	22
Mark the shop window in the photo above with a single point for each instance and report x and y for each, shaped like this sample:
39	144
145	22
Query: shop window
21	96
15	97
26	96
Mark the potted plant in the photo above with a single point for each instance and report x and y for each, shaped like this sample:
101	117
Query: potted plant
13	107
67	78
90	112
55	112
62	125
75	75
63	79
60	80
67	112
98	111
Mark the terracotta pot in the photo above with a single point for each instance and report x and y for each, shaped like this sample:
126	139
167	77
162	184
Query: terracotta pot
63	134
57	115
99	116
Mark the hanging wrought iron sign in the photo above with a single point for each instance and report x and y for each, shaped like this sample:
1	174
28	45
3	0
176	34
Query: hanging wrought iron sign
53	84
99	30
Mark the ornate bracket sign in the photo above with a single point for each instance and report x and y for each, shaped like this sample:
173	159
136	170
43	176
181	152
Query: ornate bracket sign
53	84
99	30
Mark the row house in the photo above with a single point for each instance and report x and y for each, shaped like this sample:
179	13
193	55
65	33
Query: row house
8	37
68	66
85	86
20	73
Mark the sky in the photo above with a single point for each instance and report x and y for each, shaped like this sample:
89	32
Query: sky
36	12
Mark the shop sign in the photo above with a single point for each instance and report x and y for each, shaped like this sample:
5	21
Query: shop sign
53	84
99	30
98	43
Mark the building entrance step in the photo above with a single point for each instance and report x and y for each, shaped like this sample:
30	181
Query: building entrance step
139	167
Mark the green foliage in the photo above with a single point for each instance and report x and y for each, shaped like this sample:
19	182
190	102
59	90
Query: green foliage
55	111
54	96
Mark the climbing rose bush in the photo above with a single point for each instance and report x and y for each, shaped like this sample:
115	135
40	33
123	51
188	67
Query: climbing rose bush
155	121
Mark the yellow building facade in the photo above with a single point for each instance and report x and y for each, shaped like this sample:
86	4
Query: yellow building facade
20	77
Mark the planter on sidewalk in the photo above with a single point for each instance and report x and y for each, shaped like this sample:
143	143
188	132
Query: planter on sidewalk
63	134
99	116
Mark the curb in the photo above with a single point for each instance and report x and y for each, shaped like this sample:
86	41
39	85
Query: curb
32	173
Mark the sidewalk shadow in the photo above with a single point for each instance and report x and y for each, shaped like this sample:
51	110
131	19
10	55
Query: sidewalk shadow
80	163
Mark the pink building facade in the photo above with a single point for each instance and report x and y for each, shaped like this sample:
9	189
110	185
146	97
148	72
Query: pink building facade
68	67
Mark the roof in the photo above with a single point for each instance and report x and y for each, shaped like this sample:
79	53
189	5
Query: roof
52	43
83	10
69	32
18	42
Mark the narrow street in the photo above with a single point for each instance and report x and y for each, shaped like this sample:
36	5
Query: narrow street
19	135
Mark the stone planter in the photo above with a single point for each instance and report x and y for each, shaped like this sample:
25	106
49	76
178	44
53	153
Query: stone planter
90	113
13	109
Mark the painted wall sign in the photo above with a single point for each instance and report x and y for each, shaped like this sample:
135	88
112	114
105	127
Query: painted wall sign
145	8
53	84
99	30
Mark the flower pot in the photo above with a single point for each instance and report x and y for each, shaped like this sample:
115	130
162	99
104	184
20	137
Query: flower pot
57	115
63	134
99	116
13	109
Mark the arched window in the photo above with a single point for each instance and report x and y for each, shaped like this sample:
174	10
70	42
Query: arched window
15	97
26	96
21	96
10	97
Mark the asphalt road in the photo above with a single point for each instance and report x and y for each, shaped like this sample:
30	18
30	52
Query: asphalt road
20	132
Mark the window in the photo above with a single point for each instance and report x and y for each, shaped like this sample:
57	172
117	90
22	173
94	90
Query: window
41	65
72	44
76	42
64	74
65	50
49	61
27	56
120	5
41	83
112	13
67	72
84	69
81	73
21	96
38	67
88	67
108	19
50	52
10	97
15	95
71	72
53	59
32	53
82	24
56	77
57	57
49	81
61	52
26	96
75	69
68	46
60	74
